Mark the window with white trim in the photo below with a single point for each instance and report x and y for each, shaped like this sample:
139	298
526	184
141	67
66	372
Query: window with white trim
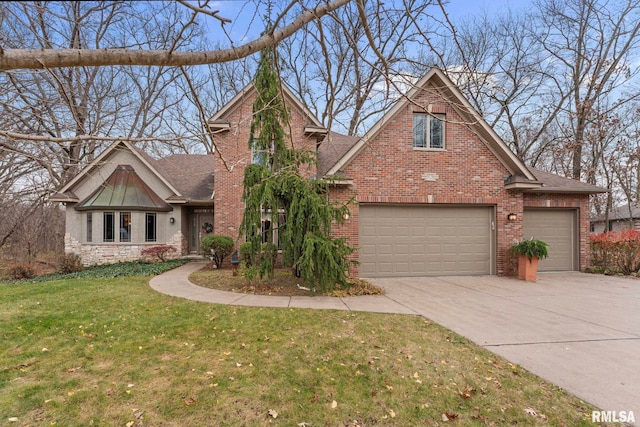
269	230
260	157
428	131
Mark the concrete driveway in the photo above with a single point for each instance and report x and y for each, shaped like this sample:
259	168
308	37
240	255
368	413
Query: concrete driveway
578	331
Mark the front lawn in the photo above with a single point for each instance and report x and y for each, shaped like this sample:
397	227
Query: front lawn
113	352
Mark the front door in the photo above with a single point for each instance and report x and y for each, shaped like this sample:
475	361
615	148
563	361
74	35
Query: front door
201	224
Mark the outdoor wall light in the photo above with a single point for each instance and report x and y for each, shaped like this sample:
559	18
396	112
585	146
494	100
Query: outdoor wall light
512	217
172	220
345	216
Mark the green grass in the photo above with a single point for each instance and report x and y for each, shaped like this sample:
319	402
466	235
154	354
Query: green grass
113	352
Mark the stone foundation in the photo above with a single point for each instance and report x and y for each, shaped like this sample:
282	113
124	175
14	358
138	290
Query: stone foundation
109	253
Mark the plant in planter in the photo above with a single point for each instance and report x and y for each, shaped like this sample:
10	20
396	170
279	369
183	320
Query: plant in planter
529	253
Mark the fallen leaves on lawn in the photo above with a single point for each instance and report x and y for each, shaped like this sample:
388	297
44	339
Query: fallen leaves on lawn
334	404
272	413
467	392
189	401
449	416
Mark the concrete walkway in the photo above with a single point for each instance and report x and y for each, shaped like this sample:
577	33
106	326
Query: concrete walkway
176	283
578	331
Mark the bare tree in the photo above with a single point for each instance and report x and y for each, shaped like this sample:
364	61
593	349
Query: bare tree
590	44
345	68
77	106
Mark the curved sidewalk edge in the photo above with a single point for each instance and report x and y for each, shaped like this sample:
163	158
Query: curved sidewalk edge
176	283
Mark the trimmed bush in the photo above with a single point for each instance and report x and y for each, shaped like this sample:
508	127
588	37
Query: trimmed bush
21	271
616	252
217	247
160	251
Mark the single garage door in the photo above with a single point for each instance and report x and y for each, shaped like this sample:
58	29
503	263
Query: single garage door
425	241
557	228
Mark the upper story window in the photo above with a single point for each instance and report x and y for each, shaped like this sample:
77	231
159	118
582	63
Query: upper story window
260	157
428	131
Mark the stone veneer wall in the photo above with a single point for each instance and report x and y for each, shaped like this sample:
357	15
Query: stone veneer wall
109	253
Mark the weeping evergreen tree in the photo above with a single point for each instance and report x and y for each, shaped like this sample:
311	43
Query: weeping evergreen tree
275	188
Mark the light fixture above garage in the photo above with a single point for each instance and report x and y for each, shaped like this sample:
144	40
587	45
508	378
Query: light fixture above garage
512	217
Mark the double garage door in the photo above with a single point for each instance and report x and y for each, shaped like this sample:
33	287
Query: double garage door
453	240
426	241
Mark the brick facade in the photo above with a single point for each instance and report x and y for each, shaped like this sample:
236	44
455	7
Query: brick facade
233	146
389	170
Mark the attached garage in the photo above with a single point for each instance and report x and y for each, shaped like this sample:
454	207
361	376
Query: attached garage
558	228
418	240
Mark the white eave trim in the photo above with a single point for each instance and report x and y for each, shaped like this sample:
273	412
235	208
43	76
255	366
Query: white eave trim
337	181
523	186
315	130
219	126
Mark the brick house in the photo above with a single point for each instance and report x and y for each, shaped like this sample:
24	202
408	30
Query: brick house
437	191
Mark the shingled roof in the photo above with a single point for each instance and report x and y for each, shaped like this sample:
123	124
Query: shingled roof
190	174
621	213
552	183
332	148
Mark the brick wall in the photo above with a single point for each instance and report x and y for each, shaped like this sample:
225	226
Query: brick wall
390	170
233	146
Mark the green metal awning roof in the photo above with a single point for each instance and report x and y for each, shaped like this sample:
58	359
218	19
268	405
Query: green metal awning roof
124	189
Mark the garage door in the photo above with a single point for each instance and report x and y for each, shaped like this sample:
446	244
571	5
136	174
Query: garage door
558	229
425	241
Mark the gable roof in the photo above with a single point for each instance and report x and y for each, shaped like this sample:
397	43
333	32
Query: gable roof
124	189
477	124
188	176
218	117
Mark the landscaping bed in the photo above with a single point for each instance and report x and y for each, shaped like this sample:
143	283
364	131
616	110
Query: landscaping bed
284	283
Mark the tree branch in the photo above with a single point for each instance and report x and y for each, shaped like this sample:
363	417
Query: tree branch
57	58
212	13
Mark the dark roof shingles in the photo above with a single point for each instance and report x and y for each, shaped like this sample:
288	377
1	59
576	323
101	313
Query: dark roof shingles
556	183
332	148
190	174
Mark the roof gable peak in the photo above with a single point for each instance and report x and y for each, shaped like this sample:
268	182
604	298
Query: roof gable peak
454	97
